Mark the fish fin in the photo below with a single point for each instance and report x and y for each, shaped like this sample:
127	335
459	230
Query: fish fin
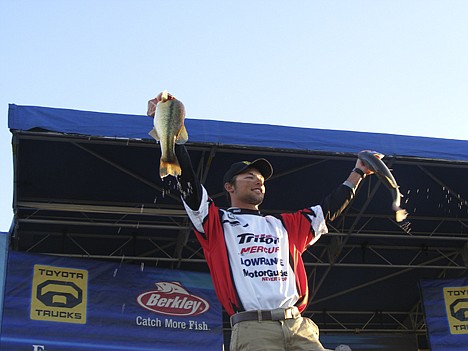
183	136
154	134
378	155
374	153
169	168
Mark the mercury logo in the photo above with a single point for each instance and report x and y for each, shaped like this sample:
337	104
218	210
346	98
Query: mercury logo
172	299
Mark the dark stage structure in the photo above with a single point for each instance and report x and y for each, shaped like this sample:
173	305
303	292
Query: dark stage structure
86	185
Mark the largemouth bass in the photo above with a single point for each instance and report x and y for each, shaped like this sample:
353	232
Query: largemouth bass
372	159
169	129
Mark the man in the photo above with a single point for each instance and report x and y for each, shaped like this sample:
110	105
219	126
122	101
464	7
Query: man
255	260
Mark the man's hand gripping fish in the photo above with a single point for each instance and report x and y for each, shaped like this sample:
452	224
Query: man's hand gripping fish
372	159
169	129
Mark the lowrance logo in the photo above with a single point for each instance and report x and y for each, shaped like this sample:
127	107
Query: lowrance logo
172	299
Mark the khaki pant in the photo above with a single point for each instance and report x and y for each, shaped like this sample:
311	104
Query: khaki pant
285	335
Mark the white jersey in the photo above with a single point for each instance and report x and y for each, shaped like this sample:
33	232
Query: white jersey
255	260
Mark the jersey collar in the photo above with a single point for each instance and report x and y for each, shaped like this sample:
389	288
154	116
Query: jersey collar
236	210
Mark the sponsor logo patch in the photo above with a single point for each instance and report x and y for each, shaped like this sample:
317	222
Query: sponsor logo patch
456	304
59	294
171	298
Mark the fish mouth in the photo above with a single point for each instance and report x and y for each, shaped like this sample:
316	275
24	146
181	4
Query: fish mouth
166	96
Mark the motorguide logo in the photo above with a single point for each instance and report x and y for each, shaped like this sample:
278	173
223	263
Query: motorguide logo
170	298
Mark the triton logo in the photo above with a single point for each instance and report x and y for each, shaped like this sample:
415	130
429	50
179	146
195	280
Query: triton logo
170	298
247	238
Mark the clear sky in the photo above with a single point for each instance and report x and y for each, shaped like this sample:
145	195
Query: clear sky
396	66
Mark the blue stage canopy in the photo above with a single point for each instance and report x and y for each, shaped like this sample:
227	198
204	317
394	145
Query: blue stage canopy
234	133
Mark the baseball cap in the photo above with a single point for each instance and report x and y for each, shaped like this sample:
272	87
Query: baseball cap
262	165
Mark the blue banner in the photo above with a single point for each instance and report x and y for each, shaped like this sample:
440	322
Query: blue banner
446	312
55	304
3	260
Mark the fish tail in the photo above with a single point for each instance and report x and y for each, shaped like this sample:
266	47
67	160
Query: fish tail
401	215
169	168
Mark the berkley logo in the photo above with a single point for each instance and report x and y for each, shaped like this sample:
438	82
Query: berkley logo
172	299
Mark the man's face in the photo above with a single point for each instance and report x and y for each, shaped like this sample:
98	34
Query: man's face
248	189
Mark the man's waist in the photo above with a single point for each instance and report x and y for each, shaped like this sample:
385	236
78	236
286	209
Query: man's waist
277	314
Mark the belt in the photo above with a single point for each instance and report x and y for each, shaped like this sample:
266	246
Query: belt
277	314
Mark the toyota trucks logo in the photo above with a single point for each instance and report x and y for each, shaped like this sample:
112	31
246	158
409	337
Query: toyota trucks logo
456	304
59	294
172	299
